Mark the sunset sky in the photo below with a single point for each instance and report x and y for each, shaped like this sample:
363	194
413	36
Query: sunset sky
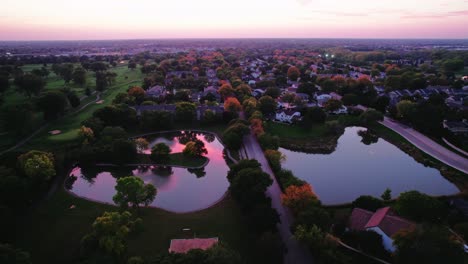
125	19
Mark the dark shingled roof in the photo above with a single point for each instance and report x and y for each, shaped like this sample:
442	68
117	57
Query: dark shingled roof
383	218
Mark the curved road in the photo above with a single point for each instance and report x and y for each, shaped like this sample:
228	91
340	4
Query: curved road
427	145
296	253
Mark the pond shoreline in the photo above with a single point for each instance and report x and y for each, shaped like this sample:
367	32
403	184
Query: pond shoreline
179	181
347	166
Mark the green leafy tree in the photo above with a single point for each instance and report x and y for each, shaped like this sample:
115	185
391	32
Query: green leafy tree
160	152
406	109
30	84
79	76
53	104
156	120
420	207
313	215
195	149
37	165
267	104
110	232
124	151
427	244
141	144
386	195
185	111
132	190
371	116
333	105
273	92
368	202
66	72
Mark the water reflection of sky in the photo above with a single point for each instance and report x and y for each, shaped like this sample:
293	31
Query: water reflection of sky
356	169
179	190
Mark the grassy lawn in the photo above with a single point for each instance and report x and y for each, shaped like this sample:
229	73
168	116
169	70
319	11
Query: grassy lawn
296	132
177	159
315	132
52	232
70	124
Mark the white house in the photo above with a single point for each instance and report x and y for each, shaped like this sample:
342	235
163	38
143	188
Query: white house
322	99
384	222
342	111
287	116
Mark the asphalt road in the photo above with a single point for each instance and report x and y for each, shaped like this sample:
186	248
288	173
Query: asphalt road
428	145
296	253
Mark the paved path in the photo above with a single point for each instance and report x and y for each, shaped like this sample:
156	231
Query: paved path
427	145
296	253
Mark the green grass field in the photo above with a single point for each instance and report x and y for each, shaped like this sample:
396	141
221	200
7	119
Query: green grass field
70	123
52	232
315	132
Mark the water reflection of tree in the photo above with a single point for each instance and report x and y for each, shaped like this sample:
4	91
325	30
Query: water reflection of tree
198	172
122	171
368	137
163	171
89	173
187	136
143	169
70	181
209	137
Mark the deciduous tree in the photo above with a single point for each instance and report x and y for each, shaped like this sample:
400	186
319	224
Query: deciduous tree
133	191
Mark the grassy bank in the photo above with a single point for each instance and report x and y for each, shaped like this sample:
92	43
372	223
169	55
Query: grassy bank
319	138
54	224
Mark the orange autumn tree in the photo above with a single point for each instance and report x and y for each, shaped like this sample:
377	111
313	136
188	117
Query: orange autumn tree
293	73
137	92
257	126
226	90
298	198
232	105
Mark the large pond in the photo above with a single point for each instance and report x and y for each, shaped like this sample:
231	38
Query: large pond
179	189
355	169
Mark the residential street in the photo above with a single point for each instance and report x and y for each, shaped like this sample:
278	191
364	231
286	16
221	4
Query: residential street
428	145
296	254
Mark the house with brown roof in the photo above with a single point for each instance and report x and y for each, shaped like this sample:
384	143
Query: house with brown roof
185	245
384	222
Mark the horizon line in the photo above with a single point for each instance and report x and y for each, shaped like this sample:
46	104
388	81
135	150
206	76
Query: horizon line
237	38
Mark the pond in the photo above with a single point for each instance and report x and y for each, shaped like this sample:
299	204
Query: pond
179	189
355	169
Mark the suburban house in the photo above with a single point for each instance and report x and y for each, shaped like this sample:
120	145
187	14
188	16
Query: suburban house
322	99
457	128
384	222
156	91
342	111
185	245
287	116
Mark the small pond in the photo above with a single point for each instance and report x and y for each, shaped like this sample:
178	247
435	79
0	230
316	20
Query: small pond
179	189
355	169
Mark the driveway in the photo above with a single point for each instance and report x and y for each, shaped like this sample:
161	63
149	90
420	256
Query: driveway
296	253
427	145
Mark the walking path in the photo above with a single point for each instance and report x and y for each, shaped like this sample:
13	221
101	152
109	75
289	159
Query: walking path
428	146
296	253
